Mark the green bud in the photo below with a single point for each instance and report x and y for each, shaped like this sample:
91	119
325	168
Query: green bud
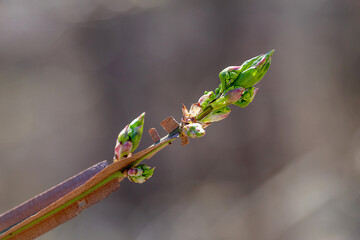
248	63
247	97
216	115
124	135
135	131
140	173
194	130
206	98
227	98
253	70
129	138
227	76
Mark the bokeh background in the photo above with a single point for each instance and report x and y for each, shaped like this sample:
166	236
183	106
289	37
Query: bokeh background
74	73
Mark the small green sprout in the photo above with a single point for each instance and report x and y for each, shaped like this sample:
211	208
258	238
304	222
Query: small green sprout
140	173
194	130
229	97
129	138
247	97
216	115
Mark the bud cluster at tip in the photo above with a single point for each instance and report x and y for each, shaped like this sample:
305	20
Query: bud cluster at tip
140	173
129	138
246	75
236	87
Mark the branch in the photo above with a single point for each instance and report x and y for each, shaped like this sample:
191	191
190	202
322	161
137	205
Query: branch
66	200
68	206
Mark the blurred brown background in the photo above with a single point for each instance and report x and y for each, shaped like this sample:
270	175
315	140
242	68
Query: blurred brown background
74	73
